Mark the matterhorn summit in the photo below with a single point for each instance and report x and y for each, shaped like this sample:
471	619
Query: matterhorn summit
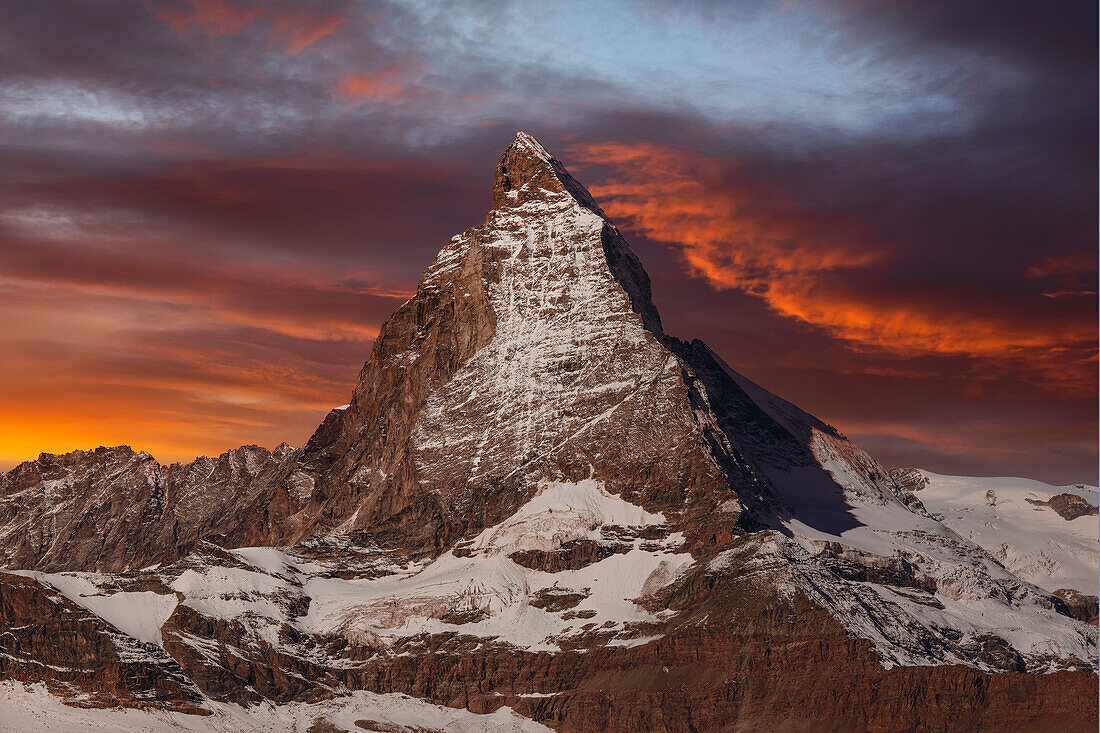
537	509
531	352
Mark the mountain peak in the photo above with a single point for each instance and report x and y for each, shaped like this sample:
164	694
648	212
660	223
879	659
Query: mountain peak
528	469
527	141
527	170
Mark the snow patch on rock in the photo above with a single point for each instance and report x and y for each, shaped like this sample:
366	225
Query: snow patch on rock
497	592
561	512
484	593
137	614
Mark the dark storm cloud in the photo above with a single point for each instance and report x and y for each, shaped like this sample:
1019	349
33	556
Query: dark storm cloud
1056	36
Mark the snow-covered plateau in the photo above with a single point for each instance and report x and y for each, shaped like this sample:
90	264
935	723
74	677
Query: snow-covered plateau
1010	519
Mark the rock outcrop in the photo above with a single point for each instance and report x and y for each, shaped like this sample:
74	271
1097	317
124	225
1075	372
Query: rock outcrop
531	351
1068	506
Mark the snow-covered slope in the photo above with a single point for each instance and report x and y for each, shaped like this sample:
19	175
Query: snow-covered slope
1009	518
900	579
139	614
483	592
861	544
26	708
478	589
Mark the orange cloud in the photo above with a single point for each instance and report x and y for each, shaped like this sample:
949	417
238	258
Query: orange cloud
175	419
379	86
304	30
730	233
298	30
175	369
215	17
737	235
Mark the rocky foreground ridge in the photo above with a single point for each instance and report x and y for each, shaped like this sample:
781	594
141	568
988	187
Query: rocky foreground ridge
538	499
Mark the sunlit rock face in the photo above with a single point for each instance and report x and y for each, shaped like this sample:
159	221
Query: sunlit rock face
537	498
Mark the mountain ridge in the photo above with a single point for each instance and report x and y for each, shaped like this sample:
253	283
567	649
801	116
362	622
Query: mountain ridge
535	497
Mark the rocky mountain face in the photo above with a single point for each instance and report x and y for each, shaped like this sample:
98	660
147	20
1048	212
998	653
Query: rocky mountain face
530	352
113	509
539	500
1069	506
49	639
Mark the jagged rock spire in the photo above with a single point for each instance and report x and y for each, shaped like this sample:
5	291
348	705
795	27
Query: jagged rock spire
527	169
524	164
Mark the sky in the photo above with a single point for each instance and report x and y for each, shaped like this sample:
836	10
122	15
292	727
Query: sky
885	212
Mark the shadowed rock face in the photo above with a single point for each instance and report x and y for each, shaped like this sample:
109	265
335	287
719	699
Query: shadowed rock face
1081	606
796	584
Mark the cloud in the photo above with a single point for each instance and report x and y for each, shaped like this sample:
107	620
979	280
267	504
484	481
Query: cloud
386	85
1071	265
294	29
165	375
1067	276
272	299
736	232
214	17
304	30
